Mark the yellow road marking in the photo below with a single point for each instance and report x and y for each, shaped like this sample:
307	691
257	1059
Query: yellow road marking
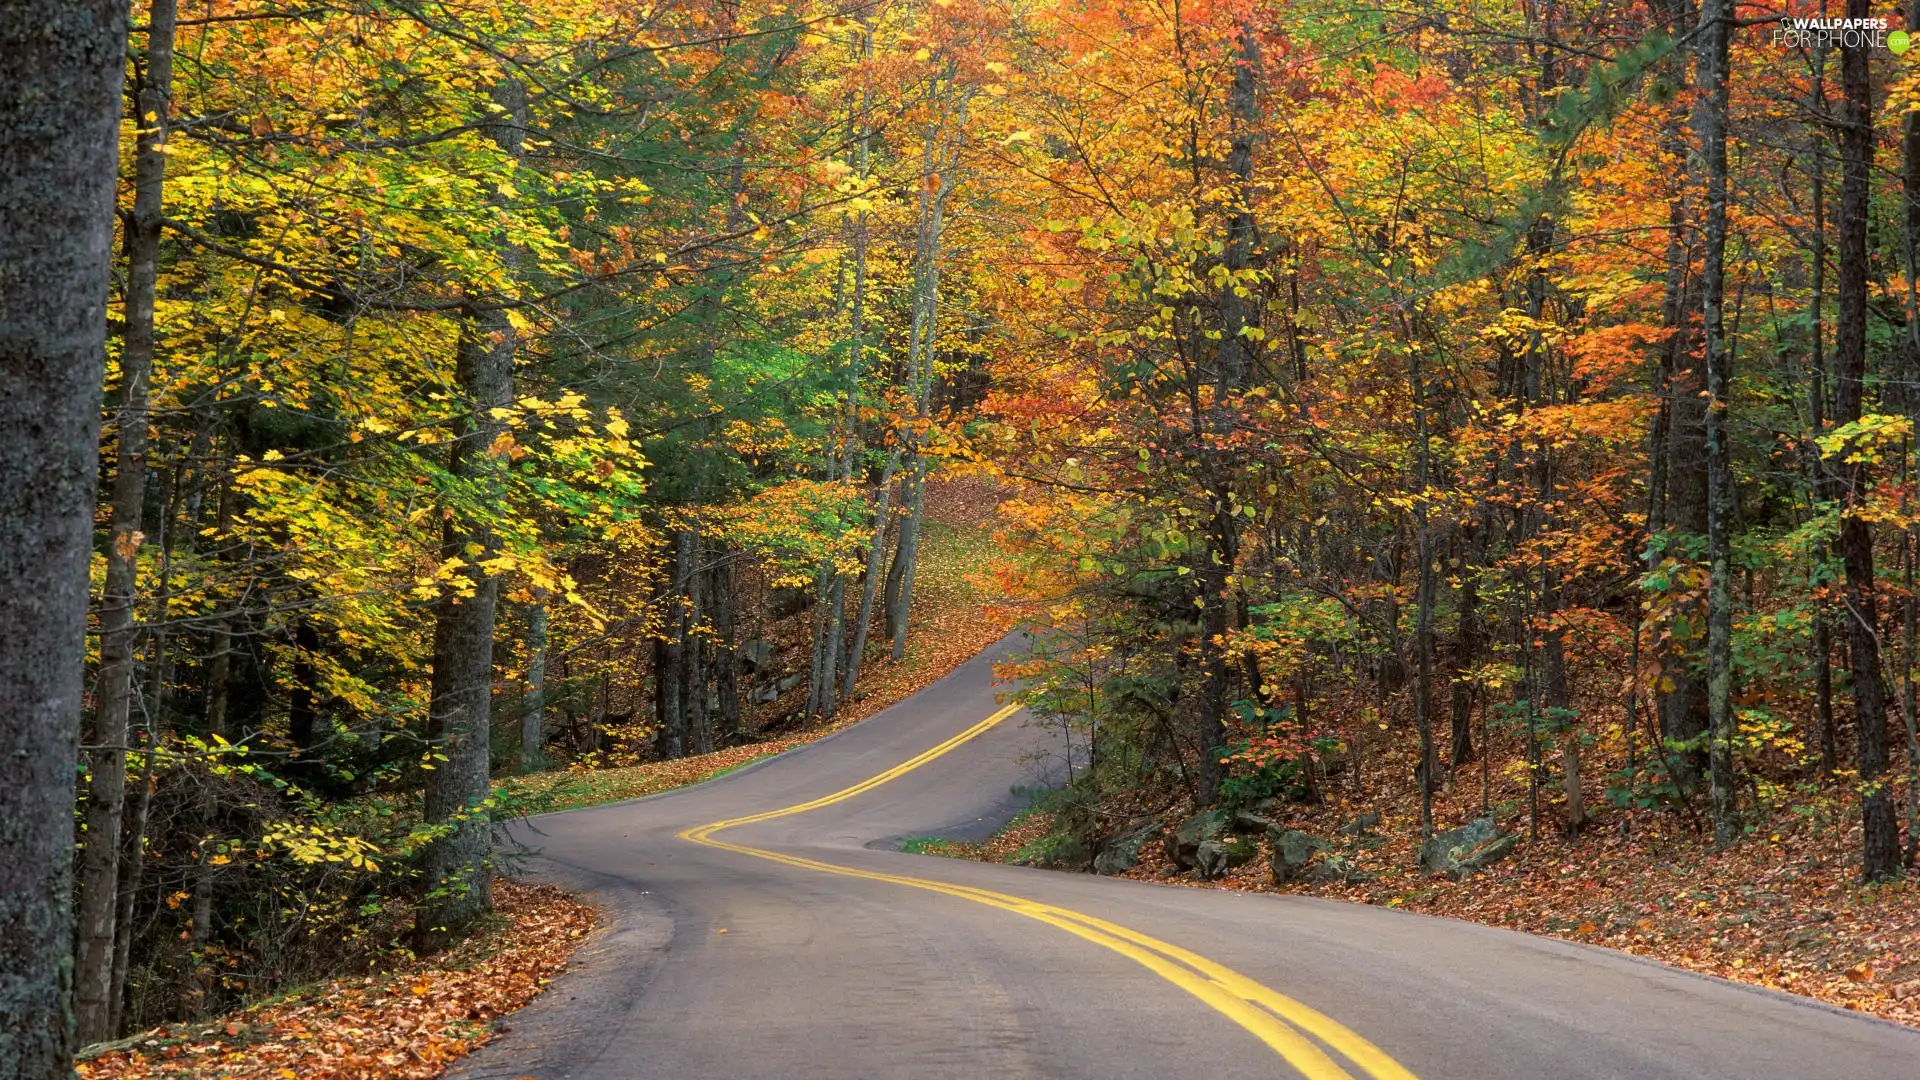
1272	1017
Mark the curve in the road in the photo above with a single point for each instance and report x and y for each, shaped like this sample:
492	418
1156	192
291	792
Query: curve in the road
1264	1012
796	942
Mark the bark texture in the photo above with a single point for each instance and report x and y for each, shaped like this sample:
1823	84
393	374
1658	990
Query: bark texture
61	66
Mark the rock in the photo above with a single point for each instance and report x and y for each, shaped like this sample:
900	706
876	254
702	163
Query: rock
756	654
1338	870
1466	850
766	692
786	601
1246	821
1293	852
1215	856
1362	825
1183	846
1121	853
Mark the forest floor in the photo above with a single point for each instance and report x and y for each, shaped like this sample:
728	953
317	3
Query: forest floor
404	1024
410	1021
1783	909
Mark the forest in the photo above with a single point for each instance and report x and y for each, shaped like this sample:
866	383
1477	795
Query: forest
1497	409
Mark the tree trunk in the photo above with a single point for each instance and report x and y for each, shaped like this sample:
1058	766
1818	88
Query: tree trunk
107	777
303	706
1880	842
533	720
1910	186
836	622
1423	603
906	556
62	64
668	714
1468	645
870	584
455	865
1822	482
693	649
1712	98
939	164
1683	709
726	656
133	864
820	666
1558	699
199	982
1908	702
670	657
1235	360
1216	673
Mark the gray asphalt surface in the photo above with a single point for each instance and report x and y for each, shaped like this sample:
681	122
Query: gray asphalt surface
819	975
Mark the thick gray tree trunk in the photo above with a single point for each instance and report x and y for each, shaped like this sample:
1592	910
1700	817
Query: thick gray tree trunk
119	633
456	866
61	64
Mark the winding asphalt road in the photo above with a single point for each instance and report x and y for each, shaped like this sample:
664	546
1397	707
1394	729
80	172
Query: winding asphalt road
799	943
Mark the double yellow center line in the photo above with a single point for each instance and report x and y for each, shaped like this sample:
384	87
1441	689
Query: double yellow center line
1280	1022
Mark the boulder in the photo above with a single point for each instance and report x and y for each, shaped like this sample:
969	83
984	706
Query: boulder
1183	847
1246	821
766	692
1338	870
786	601
756	654
1293	853
1217	855
1121	852
1466	850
